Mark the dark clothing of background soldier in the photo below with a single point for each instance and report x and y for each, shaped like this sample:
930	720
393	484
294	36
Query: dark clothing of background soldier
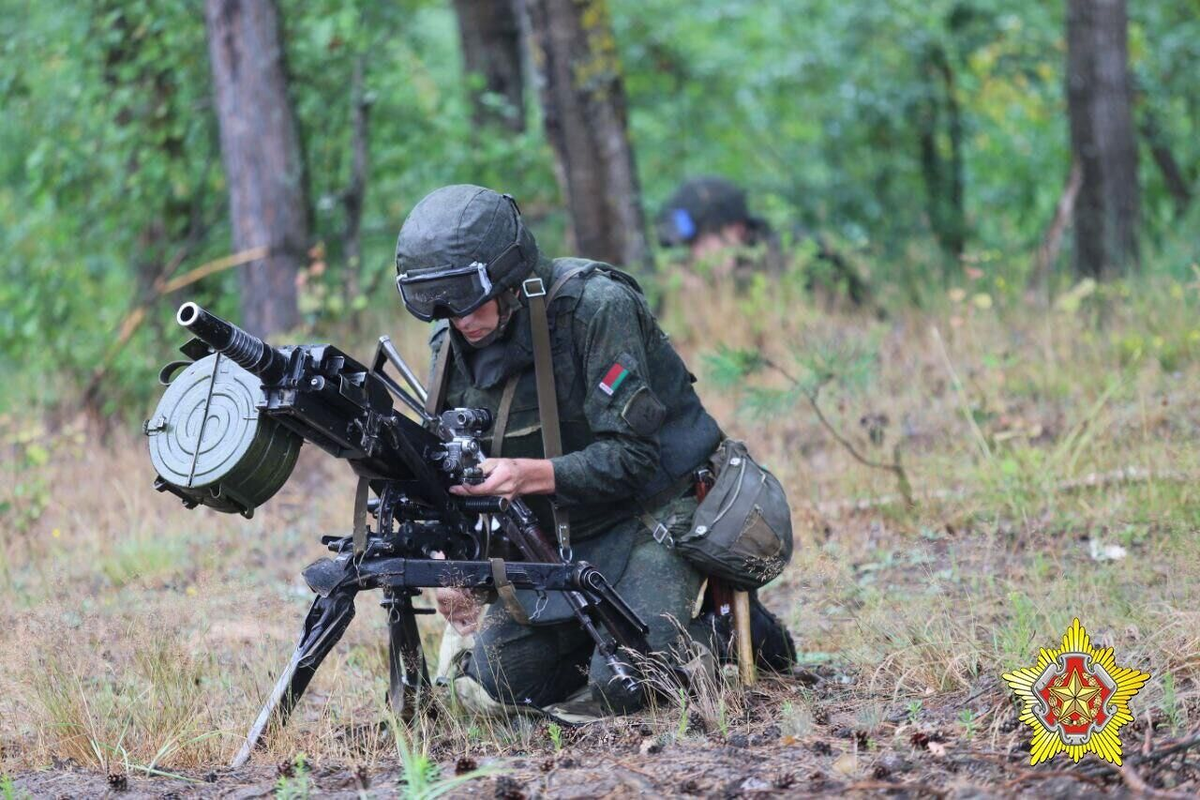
633	429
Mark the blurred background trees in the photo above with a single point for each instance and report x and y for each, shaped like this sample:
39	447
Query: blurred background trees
585	112
1099	103
264	165
493	61
928	139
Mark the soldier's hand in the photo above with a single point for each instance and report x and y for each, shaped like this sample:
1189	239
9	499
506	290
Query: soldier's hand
459	606
511	477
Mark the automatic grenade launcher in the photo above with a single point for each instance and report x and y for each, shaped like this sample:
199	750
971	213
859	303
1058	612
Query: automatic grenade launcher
228	430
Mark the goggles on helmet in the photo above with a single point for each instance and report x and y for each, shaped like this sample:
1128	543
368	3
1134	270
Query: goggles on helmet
451	291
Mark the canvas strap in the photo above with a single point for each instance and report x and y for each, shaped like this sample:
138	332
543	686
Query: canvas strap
543	373
510	388
508	595
660	532
502	414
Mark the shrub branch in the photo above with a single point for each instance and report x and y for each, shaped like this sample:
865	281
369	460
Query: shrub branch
812	395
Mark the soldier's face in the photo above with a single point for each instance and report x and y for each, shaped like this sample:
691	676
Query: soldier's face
732	235
479	323
717	248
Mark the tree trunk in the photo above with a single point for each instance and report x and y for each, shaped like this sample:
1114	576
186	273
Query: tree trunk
1173	175
583	103
490	33
1099	99
264	163
354	197
944	173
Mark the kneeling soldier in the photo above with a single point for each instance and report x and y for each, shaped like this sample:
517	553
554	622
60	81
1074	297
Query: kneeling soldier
603	443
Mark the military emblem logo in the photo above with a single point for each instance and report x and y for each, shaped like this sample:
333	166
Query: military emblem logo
1076	699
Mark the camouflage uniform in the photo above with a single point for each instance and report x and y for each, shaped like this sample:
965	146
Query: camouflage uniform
633	432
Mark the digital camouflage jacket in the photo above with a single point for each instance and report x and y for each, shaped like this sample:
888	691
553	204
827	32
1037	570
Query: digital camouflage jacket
632	425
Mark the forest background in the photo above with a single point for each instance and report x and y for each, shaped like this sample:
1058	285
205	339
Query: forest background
1001	437
928	141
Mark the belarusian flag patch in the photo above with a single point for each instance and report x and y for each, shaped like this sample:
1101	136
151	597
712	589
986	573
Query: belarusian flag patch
612	379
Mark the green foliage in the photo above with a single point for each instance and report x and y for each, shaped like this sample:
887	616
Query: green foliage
555	732
1171	706
143	559
848	363
297	785
966	718
110	168
8	789
422	778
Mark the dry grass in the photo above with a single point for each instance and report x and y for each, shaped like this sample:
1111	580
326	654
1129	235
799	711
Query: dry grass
145	637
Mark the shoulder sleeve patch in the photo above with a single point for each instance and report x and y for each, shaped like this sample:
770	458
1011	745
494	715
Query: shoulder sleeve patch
613	379
643	412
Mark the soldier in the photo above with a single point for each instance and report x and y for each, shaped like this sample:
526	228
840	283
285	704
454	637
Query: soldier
709	216
633	433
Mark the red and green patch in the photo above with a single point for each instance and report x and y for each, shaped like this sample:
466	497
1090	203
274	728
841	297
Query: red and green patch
613	378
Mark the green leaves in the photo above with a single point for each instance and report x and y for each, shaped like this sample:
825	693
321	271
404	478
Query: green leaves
109	158
729	367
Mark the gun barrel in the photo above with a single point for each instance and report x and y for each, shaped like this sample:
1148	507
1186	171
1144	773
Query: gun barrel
246	350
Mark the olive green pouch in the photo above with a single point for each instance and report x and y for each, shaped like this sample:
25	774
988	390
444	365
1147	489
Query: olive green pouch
742	529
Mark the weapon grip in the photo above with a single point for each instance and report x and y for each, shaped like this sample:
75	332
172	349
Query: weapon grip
484	505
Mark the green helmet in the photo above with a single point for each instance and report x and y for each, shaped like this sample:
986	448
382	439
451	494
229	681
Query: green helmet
460	247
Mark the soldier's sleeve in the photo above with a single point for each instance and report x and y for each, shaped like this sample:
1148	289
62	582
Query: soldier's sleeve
622	411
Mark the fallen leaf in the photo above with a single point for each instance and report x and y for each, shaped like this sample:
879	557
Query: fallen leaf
846	764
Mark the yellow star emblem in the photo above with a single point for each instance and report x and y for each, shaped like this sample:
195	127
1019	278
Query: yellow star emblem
1076	699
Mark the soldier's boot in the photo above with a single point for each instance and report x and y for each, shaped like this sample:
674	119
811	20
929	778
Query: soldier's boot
774	649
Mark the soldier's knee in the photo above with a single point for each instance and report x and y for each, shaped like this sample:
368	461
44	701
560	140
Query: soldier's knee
614	694
485	666
617	696
524	673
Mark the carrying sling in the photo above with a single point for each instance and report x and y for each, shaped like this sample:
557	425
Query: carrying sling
543	368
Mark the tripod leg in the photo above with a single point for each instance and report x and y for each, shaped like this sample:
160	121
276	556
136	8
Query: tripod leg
408	678
324	625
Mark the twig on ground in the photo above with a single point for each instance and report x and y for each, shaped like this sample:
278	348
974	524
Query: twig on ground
1103	767
1139	787
1045	775
877	786
1092	480
813	398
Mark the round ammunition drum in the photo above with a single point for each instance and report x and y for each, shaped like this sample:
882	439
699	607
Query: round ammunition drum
210	443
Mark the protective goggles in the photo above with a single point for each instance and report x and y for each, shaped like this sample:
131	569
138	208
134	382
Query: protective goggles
452	292
457	291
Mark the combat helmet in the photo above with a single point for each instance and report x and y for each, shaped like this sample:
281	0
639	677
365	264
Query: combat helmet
461	246
704	205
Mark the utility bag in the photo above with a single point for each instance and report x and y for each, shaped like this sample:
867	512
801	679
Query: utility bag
742	529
